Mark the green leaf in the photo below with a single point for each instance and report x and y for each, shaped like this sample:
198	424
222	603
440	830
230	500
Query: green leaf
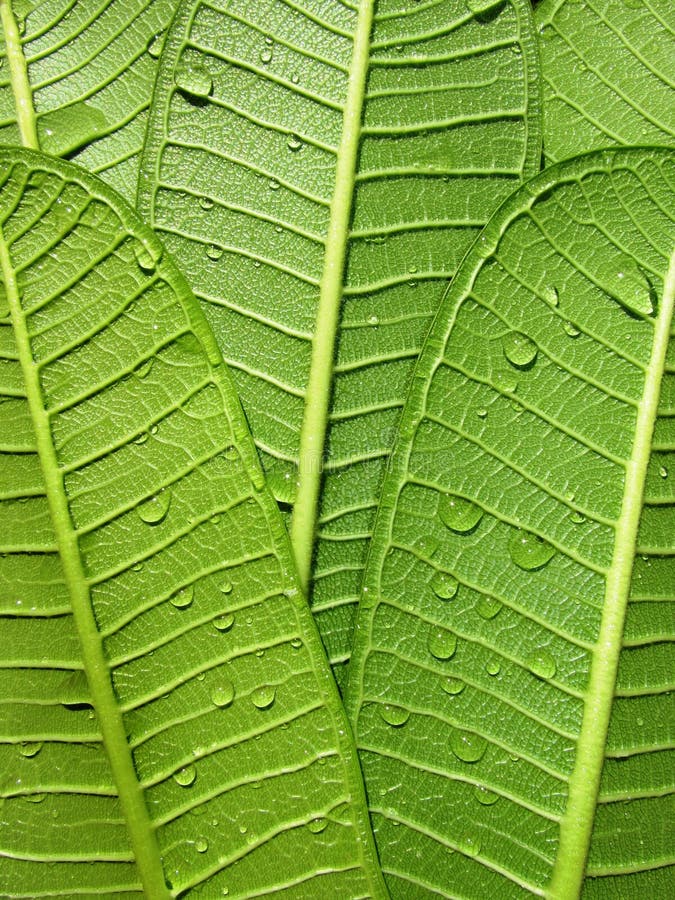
81	75
510	682
167	713
608	74
319	169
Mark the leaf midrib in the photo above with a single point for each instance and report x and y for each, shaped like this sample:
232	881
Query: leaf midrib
108	712
18	71
577	824
318	396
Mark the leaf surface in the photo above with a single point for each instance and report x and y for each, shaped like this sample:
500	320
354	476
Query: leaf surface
82	72
511	681
319	170
168	717
608	72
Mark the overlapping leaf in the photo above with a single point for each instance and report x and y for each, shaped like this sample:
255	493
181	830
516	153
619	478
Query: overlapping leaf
316	165
510	687
608	72
167	714
90	67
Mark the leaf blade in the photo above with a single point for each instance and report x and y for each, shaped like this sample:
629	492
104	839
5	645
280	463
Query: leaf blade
203	663
540	470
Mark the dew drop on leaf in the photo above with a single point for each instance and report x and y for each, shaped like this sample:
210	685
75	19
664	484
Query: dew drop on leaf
226	586
154	510
551	295
453	686
394	715
492	667
146	259
206	202
155	45
530	552
571	329
459	514
445	586
519	349
28	749
541	664
316	826
214	252
223	694
194	79
183	598
266	55
577	517
484	796
294	143
488	607
629	286
201	845
274	184
469	845
224	622
185	776
482	6
296	643
441	643
663	472
264	696
35	798
467	745
506	382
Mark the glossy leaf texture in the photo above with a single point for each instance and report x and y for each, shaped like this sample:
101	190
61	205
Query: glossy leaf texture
150	614
510	684
608	74
90	70
308	162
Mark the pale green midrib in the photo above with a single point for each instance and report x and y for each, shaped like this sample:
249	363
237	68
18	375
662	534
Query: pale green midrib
141	830
577	824
315	419
18	71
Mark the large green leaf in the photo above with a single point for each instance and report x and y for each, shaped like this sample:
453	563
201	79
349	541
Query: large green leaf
81	73
510	685
608	70
167	713
319	169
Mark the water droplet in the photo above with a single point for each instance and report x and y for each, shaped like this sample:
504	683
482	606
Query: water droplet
206	202
295	79
506	382
273	184
459	514
453	686
223	694
146	259
482	413
35	798
663	472
183	598
263	697
484	796
441	643
28	749
571	329
482	6
154	510
488	607
155	45
628	285
519	349
541	664
185	776
316	826
394	715
266	55
296	643
492	667
201	845
444	585
224	622
467	745
214	252
528	551
551	295
469	845
226	587
577	517
294	143
194	79
373	320
230	452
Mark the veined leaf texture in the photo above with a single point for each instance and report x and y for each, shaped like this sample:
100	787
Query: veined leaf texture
318	170
516	662
226	749
321	171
